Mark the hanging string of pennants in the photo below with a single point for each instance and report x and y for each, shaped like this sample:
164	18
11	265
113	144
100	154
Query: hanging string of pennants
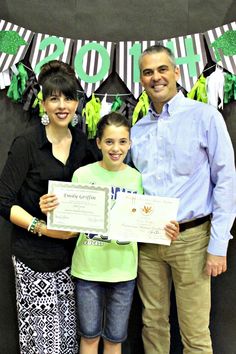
93	60
189	52
14	43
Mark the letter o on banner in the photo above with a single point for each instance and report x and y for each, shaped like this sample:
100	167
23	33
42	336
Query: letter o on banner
78	62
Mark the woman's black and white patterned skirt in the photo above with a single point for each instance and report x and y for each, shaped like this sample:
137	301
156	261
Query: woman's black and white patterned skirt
46	311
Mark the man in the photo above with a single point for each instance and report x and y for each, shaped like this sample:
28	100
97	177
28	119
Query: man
182	148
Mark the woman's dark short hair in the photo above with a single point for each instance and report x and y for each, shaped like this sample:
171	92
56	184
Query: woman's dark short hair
58	77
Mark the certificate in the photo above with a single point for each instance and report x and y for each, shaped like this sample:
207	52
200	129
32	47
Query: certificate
142	218
82	208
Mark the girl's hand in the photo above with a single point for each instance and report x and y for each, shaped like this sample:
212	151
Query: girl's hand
48	202
172	230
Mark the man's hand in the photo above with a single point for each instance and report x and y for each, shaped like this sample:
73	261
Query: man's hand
172	230
215	265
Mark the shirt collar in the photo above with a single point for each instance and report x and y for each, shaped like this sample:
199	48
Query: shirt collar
175	102
168	107
43	140
154	115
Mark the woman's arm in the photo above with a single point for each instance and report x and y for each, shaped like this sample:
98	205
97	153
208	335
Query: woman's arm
22	218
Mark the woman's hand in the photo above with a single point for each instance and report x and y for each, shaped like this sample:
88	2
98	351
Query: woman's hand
48	202
172	230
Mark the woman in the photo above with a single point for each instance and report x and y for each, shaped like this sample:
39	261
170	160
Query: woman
41	257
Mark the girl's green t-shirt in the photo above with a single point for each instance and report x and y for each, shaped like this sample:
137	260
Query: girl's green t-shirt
102	260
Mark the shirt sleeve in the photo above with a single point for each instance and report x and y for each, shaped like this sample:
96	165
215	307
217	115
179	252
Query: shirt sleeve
223	177
79	176
13	175
74	177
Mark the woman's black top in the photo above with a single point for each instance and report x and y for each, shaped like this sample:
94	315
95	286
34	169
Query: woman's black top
24	179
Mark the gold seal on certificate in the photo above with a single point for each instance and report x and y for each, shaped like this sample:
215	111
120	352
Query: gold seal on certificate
82	208
142	218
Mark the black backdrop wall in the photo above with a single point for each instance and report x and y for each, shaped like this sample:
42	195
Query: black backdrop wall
114	20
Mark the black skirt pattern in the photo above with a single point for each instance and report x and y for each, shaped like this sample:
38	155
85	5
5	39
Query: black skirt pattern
46	311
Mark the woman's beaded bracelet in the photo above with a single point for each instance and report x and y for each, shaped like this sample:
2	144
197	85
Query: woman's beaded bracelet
32	225
39	226
36	226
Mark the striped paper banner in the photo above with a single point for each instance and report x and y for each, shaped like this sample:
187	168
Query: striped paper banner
228	62
7	60
46	47
190	56
92	62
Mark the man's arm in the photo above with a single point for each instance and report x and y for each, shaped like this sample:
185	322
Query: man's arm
222	169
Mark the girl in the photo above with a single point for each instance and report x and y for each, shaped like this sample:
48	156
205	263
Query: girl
105	271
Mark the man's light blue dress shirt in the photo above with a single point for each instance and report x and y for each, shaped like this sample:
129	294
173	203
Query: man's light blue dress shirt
186	152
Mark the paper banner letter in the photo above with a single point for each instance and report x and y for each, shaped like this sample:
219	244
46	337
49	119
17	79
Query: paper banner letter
46	48
92	63
191	58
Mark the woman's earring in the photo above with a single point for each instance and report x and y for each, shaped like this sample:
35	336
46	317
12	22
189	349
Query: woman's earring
45	119
75	120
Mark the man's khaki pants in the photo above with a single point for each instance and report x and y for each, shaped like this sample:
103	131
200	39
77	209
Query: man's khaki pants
183	262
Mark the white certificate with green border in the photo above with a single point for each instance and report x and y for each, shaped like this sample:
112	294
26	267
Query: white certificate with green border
82	208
